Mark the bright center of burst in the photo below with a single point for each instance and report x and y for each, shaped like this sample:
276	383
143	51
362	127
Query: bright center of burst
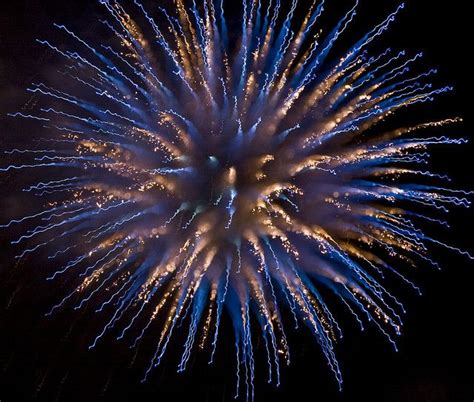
221	195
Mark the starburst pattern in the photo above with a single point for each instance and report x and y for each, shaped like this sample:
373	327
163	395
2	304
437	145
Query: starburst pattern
184	175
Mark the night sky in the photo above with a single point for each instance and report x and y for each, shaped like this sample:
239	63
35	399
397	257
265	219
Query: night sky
48	359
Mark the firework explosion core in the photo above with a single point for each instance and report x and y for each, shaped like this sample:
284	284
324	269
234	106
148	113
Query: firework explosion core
185	176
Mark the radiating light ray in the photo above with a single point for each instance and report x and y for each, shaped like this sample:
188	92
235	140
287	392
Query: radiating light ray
185	178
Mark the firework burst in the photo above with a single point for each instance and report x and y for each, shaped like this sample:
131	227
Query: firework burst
185	176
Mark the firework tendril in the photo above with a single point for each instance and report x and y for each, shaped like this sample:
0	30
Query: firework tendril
186	175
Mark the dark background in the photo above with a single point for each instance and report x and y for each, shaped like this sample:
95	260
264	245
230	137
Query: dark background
48	360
